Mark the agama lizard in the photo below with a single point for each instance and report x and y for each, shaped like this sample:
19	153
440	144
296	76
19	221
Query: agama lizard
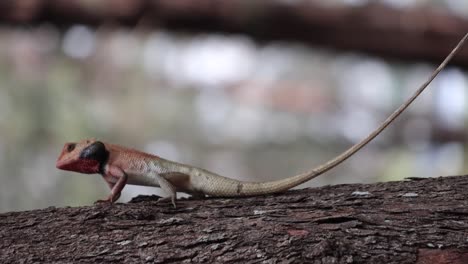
120	166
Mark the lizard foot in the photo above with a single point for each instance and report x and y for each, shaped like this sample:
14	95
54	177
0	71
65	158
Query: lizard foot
110	199
165	199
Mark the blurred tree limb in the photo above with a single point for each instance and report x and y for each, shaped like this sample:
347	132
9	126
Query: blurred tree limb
417	33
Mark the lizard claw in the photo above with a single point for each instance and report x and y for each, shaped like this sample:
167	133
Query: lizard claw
103	201
110	199
165	199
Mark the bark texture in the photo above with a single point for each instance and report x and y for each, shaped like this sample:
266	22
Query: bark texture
415	33
413	221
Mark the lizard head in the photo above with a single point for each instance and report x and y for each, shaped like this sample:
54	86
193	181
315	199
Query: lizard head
86	156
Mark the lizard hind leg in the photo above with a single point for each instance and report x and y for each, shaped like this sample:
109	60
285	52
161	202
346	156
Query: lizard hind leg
168	188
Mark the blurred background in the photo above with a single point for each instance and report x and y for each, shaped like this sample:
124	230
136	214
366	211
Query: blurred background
254	90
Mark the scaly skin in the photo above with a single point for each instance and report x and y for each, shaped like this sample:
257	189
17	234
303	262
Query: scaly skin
120	166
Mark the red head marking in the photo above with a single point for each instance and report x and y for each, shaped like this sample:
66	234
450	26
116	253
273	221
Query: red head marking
86	156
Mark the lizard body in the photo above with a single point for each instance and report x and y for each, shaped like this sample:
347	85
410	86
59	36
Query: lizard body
120	165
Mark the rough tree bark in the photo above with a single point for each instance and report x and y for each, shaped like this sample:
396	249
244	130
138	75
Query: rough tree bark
414	33
413	221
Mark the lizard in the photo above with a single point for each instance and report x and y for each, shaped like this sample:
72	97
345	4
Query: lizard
119	165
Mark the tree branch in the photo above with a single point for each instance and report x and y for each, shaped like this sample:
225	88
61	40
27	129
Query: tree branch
417	221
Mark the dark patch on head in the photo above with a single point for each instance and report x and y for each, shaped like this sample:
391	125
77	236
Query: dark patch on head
98	152
239	187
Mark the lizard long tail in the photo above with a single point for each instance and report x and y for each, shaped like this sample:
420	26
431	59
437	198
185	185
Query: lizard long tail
228	187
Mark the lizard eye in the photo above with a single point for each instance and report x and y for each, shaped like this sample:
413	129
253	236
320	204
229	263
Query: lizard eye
71	147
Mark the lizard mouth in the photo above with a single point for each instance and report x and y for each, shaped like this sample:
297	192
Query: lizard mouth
82	166
61	165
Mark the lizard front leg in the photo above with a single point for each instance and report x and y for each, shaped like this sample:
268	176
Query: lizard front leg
116	187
